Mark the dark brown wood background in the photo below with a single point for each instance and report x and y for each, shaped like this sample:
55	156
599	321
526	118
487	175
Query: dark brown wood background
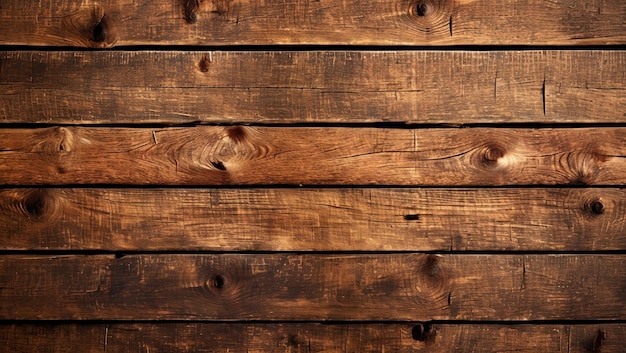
312	176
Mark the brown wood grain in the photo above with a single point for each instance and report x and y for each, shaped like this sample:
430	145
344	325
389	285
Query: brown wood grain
451	87
303	219
237	155
412	287
107	23
309	337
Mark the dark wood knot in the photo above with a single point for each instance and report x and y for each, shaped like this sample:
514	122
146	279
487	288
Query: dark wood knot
99	33
219	165
102	32
431	16
218	281
597	341
491	154
190	9
35	203
204	65
595	207
423	332
421	9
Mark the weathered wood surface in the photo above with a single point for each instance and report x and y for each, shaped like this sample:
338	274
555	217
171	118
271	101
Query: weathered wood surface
237	155
94	23
313	219
311	337
412	287
449	87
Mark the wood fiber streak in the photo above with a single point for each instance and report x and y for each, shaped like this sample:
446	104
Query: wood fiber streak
411	287
106	23
309	337
239	155
313	87
313	219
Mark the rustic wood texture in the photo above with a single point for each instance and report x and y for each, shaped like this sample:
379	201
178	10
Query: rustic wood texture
313	219
310	337
449	87
207	188
412	287
237	155
107	23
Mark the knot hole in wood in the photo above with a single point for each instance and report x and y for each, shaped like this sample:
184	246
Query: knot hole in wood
102	32
35	203
219	281
39	204
431	16
99	32
423	332
216	282
421	9
594	207
190	8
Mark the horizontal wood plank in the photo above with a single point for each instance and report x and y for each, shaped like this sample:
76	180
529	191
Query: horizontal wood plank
313	87
94	23
412	287
313	219
237	155
311	337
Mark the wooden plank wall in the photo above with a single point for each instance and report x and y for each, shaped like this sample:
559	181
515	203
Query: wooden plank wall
312	176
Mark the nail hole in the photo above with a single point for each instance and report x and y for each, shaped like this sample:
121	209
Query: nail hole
422	332
99	32
422	9
412	217
218	281
219	165
597	207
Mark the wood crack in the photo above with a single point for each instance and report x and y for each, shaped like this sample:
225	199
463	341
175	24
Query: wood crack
543	95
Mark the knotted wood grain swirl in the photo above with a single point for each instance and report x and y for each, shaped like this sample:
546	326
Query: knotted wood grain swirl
305	219
339	156
313	337
433	18
292	287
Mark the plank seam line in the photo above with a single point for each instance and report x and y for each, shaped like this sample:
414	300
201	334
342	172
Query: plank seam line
398	125
118	254
153	187
323	47
328	322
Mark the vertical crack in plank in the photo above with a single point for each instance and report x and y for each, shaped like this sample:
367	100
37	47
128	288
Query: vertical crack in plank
543	94
523	272
106	337
495	87
569	338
